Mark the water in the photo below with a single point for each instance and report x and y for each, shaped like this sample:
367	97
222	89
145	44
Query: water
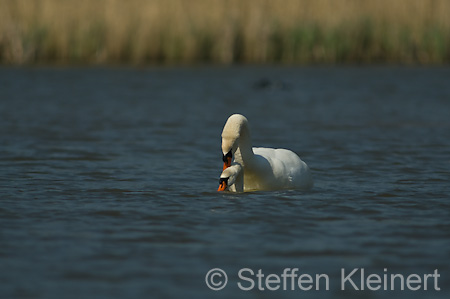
108	180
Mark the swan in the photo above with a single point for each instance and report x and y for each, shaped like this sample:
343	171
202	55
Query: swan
232	179
261	168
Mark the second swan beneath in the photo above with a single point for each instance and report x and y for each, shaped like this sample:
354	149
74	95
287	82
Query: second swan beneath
258	168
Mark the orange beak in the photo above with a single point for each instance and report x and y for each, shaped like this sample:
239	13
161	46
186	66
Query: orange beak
227	160
223	184
227	163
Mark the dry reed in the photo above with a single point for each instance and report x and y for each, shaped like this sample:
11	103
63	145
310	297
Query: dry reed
224	31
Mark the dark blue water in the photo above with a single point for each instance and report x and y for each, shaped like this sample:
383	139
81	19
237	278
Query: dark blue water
108	180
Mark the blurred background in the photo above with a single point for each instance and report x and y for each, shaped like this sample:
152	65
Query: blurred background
224	32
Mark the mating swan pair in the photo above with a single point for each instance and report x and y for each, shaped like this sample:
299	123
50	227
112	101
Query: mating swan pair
258	168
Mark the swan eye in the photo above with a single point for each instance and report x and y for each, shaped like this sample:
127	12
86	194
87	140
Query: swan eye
228	155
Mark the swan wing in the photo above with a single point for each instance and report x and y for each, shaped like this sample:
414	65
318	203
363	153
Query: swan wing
284	169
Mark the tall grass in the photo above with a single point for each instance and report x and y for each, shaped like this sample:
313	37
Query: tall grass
224	31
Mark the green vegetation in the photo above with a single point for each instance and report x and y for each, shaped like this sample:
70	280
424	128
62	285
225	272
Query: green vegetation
224	31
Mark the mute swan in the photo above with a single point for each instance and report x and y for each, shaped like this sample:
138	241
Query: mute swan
232	179
263	168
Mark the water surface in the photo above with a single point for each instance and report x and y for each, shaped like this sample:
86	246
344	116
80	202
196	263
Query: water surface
108	179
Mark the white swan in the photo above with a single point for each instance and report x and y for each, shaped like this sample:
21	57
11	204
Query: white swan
263	168
232	179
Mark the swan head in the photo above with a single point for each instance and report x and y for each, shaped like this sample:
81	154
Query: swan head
229	176
230	137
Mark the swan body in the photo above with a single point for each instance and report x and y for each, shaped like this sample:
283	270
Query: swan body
261	168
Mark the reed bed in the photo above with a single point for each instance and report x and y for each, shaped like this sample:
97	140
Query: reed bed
224	31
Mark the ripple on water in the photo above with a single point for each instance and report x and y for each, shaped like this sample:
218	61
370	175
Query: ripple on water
113	193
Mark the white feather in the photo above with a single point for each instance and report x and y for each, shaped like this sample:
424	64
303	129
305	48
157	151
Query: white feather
263	168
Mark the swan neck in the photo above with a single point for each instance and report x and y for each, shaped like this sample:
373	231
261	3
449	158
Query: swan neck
245	146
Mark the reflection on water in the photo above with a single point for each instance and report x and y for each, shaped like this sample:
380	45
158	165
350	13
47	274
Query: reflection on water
108	179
